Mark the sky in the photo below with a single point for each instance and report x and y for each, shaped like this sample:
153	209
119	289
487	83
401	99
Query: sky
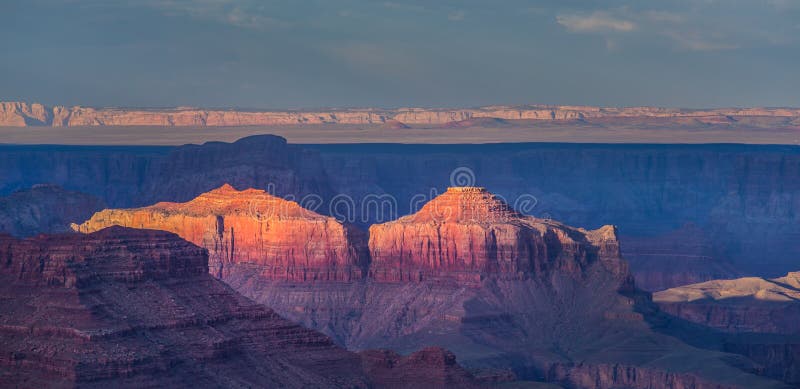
264	54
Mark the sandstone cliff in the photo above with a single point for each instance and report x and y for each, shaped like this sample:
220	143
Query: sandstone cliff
45	209
24	114
252	228
136	308
750	304
469	233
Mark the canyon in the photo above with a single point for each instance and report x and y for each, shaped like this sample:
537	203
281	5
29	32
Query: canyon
740	201
35	114
45	209
131	308
531	298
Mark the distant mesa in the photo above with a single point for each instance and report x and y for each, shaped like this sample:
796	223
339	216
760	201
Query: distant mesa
478	122
392	124
21	114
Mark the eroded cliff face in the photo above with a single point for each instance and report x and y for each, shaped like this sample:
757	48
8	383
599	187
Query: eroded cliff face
742	200
567	300
469	233
45	209
743	305
136	308
252	228
24	114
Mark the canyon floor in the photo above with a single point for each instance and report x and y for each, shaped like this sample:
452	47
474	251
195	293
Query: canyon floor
569	132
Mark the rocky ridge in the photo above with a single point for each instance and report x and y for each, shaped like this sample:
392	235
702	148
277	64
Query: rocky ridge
252	228
24	114
134	308
566	312
742	305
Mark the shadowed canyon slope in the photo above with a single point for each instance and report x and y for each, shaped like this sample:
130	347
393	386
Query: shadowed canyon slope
137	308
45	209
24	114
741	201
505	291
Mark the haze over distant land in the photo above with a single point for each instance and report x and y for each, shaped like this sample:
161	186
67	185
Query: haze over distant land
36	123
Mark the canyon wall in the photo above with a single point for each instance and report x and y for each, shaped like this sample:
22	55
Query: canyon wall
24	114
498	288
741	201
45	209
137	308
252	228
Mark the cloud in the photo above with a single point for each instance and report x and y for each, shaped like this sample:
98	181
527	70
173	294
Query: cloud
456	15
598	21
243	14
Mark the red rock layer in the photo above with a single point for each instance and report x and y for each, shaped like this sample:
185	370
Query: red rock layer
467	233
252	228
137	308
603	376
23	114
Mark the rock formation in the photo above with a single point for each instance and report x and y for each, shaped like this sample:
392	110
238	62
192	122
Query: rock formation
135	308
469	233
430	367
468	273
24	114
254	229
750	304
44	209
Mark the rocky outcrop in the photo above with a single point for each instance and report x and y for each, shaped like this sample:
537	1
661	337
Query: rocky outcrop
254	229
45	209
430	367
24	114
570	302
743	305
684	256
137	308
468	233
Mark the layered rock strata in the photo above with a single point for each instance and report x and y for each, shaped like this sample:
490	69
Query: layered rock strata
499	289
24	114
252	228
137	308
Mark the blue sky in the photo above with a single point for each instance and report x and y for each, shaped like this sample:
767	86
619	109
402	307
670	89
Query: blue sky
322	53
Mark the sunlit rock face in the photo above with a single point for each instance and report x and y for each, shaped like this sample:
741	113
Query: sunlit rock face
540	300
469	233
750	304
252	228
20	114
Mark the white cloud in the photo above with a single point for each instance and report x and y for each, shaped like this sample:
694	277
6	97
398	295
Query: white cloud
598	21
